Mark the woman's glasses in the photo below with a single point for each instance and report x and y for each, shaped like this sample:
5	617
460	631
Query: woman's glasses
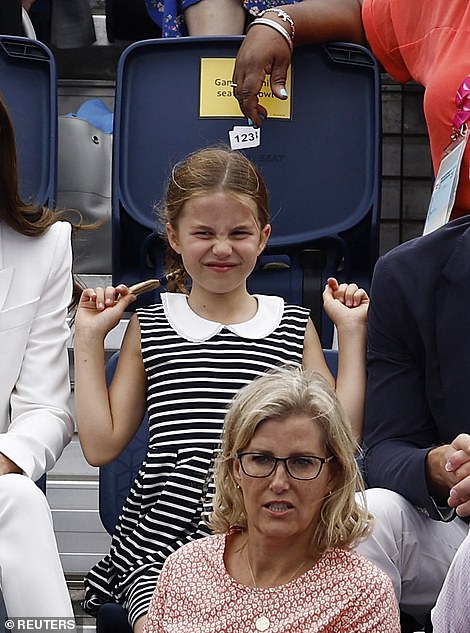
298	467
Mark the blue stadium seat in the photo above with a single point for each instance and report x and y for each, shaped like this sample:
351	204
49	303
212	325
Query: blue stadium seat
321	165
28	85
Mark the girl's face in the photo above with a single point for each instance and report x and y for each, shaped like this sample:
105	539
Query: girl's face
219	240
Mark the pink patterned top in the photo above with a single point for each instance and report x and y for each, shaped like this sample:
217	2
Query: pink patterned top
342	593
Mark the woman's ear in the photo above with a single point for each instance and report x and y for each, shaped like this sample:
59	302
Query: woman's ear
334	477
264	237
172	235
236	471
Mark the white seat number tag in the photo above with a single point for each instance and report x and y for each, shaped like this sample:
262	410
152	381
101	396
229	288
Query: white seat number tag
244	136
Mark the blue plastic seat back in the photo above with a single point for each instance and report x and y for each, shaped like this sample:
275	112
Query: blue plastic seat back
29	88
331	357
321	165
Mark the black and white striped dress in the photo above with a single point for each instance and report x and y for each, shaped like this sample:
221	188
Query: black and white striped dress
194	368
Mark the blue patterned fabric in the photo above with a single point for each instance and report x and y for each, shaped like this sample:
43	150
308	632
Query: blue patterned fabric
168	14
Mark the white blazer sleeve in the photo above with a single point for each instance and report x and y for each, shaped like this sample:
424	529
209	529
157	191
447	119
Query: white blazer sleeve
41	423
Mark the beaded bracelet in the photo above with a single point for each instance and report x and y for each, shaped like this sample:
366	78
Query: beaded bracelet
285	17
276	26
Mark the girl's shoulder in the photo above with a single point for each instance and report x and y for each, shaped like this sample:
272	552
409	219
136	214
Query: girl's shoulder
150	311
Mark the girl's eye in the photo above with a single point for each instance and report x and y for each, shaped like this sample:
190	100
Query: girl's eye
202	233
240	234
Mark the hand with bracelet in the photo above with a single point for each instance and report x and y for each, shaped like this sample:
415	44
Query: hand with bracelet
267	48
264	20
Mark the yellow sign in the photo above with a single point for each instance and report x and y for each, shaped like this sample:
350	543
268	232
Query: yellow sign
216	94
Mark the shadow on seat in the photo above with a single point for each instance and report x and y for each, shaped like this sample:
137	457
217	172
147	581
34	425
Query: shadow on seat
115	481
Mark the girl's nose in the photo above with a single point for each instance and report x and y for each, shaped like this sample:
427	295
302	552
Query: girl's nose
222	247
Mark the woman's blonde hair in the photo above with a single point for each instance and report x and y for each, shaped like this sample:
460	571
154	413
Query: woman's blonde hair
206	171
343	521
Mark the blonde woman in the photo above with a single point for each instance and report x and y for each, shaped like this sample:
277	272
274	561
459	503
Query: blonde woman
285	520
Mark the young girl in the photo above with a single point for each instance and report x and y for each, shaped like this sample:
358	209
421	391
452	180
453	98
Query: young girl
184	359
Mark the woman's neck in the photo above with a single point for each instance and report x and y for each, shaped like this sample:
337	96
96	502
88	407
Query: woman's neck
223	308
267	564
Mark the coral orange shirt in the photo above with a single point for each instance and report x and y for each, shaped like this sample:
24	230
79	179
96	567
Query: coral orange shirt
428	41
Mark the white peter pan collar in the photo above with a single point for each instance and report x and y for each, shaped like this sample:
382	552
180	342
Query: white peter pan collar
195	328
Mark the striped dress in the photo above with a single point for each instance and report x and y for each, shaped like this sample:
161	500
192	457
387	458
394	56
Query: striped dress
194	368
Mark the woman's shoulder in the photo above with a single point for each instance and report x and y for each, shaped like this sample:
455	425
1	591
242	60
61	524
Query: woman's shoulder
206	544
58	235
352	565
202	550
54	243
60	228
56	240
151	312
59	231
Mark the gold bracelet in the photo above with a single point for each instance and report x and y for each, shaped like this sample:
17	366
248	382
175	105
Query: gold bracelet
274	25
285	17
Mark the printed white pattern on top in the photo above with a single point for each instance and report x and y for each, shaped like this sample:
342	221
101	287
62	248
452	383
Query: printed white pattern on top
342	593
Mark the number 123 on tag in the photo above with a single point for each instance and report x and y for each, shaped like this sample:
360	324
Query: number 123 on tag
244	136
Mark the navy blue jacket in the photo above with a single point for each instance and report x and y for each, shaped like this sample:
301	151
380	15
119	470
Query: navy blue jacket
418	388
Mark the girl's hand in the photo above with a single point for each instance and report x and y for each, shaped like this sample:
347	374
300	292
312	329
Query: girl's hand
100	309
345	303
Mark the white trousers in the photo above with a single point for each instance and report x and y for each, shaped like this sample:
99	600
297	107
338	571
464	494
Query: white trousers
414	550
450	615
31	576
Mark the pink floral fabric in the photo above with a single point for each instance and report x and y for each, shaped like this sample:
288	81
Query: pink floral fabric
342	593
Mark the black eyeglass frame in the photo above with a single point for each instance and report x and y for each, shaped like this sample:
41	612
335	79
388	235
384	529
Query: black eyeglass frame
284	460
